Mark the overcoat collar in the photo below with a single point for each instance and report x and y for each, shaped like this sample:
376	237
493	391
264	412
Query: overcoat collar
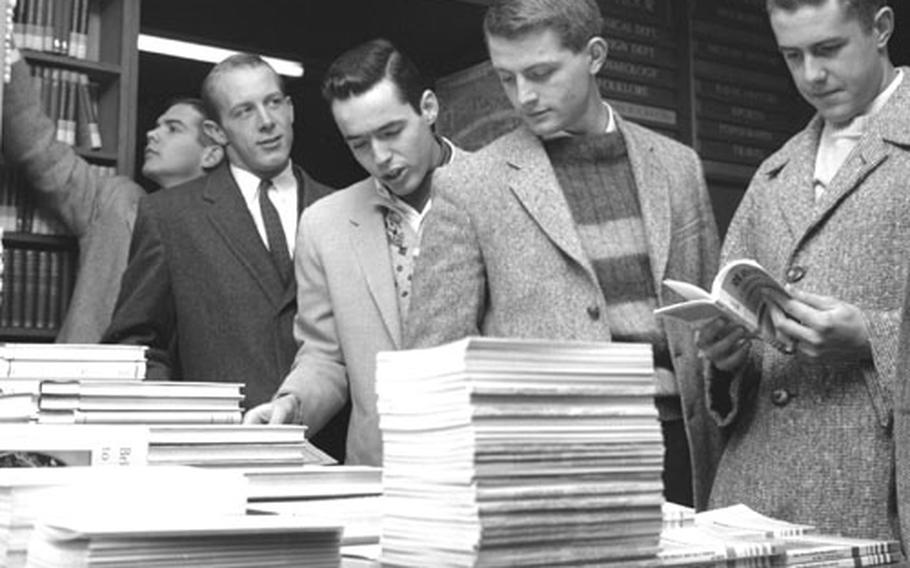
793	166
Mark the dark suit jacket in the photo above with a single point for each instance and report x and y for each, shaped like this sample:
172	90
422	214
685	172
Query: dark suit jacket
202	292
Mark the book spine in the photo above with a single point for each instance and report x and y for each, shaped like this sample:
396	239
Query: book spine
17	288
41	304
71	92
6	308
67	273
54	285
94	123
83	29
31	288
47	28
73	29
89	130
19	23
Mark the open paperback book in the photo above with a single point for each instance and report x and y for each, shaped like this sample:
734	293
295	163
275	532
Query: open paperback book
743	292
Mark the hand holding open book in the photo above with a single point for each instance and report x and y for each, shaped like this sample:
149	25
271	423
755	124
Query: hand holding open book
742	292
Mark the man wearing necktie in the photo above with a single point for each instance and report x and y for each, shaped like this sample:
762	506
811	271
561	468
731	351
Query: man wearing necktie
827	214
210	261
356	248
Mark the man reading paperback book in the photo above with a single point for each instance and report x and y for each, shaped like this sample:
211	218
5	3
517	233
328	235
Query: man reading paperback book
742	292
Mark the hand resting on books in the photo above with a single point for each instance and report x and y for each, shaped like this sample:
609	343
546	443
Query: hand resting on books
282	410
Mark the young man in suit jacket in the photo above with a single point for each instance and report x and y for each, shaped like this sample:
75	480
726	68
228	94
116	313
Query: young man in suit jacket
355	248
98	210
209	286
827	214
566	227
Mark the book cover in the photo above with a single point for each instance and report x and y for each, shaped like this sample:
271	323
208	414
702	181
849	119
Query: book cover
743	292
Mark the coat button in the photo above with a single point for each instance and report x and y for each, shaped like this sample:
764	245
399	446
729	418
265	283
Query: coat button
795	274
780	397
594	312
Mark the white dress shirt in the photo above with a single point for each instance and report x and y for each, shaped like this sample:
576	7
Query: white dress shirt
283	196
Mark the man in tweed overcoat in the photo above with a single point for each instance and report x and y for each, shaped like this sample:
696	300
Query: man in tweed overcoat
810	432
566	227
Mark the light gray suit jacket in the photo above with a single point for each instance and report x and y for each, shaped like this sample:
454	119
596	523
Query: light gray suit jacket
834	432
501	256
347	312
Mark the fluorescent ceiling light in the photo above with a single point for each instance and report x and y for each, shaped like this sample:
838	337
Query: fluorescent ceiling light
208	53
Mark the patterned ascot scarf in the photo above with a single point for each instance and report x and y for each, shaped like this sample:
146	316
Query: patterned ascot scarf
402	227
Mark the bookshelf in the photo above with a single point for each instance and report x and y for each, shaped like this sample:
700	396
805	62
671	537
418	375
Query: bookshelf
83	55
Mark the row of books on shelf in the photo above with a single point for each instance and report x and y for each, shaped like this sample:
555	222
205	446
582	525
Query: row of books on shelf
20	207
56	26
37	284
70	100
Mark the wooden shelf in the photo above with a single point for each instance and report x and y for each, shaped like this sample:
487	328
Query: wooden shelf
103	72
28	334
31	240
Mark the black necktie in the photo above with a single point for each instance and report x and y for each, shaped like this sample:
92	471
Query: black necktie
278	245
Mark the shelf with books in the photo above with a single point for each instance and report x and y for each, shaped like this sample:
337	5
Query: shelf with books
37	240
83	58
96	69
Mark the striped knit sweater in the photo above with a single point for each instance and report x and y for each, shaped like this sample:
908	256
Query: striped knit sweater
596	178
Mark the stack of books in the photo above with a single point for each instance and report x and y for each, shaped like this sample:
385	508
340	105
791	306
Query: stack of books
125	402
178	542
127	444
350	496
234	446
520	452
739	536
23	366
29	494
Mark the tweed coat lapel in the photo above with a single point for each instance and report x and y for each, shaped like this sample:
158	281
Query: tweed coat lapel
653	188
533	181
793	171
371	249
891	126
232	221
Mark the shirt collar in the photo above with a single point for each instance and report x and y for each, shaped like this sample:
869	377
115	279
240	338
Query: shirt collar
395	203
611	125
248	182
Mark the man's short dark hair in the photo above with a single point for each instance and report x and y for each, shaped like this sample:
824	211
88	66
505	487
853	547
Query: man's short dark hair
862	10
235	61
574	21
358	70
200	108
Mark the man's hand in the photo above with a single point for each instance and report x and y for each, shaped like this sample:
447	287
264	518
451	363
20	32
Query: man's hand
825	328
724	343
282	410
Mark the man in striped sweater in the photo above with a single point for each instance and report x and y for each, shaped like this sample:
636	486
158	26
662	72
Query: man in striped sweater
566	227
